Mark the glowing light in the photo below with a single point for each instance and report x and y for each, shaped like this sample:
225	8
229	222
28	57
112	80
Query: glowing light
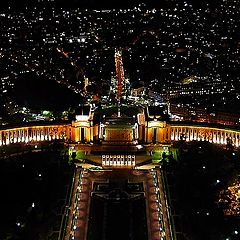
82	117
157	124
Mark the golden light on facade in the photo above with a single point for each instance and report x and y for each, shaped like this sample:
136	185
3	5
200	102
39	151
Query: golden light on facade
118	160
83	130
159	124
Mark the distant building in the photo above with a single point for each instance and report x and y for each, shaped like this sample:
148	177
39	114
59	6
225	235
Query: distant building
187	113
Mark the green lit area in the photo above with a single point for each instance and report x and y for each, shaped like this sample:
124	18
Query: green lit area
164	154
76	154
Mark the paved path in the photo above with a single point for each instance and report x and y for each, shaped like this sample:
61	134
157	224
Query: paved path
158	218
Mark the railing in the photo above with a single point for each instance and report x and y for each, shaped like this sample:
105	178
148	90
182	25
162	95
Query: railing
31	134
65	217
166	196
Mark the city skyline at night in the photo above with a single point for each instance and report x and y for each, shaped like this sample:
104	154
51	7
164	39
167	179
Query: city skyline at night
120	120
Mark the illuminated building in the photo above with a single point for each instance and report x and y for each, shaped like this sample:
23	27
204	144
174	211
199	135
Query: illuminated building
197	114
148	132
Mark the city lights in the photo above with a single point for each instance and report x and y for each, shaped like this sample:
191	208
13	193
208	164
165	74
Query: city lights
128	97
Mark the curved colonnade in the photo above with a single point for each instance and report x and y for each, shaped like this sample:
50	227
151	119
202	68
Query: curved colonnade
34	134
210	134
167	134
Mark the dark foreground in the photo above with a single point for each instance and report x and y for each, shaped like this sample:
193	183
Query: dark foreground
117	211
33	189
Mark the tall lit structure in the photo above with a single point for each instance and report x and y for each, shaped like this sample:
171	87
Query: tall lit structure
119	74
